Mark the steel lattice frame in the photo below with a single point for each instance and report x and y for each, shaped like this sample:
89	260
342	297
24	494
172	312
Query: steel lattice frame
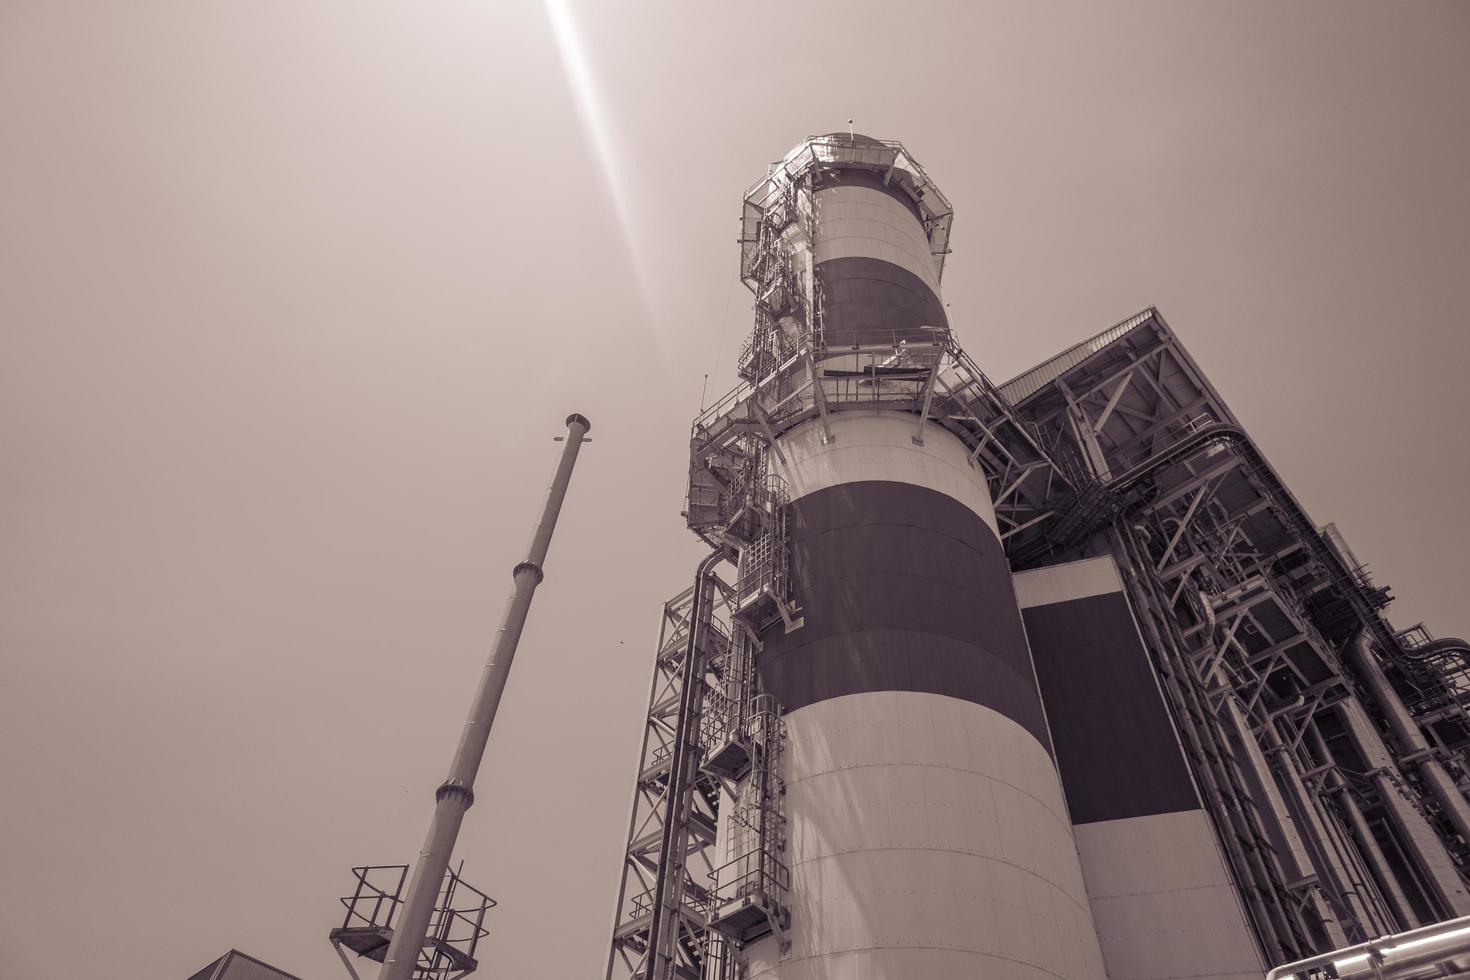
675	806
1244	608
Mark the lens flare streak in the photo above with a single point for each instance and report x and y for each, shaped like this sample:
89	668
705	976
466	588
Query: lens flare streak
594	117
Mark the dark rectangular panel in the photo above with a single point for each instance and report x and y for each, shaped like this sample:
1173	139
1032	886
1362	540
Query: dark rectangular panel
1114	742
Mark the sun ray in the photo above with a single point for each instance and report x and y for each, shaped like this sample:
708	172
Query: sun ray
595	123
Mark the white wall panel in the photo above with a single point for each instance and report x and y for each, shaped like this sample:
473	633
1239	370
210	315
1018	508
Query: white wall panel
1162	900
928	841
849	216
1066	581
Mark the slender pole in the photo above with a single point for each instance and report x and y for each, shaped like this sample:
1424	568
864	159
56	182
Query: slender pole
457	794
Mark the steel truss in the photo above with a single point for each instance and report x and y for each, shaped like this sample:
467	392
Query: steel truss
1289	689
659	929
1325	801
682	910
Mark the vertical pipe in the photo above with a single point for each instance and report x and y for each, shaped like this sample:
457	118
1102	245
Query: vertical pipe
1368	849
663	927
1426	845
1360	887
1406	730
456	795
1341	898
1252	885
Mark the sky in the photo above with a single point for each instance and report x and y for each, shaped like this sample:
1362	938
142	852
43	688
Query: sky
294	298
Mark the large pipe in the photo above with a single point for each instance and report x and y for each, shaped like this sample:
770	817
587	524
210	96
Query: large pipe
1368	849
678	796
1406	731
457	795
1434	860
1341	895
1401	955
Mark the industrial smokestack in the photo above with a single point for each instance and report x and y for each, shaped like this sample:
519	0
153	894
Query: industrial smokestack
926	833
891	807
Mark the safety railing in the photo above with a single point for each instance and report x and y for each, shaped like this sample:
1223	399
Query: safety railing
758	876
764	576
455	928
888	159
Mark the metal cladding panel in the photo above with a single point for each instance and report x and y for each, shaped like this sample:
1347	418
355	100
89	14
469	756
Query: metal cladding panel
208	972
1115	743
863	221
928	840
876	273
868	300
851	180
1063	583
1161	895
1021	387
1163	903
902	586
238	966
881	447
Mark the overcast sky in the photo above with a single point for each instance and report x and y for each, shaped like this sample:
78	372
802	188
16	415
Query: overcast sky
294	297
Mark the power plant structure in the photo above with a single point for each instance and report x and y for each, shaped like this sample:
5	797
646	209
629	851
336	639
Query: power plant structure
1047	679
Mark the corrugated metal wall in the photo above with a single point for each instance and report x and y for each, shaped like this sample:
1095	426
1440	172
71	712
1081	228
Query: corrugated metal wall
1025	385
236	965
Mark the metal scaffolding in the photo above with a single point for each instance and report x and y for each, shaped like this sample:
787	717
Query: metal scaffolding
659	929
748	899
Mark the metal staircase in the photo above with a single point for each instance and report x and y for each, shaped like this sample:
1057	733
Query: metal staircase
749	894
659	932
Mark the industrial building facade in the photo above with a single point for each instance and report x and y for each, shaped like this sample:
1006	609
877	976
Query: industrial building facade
1053	678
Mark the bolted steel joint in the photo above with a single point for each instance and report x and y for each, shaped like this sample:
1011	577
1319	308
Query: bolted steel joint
529	566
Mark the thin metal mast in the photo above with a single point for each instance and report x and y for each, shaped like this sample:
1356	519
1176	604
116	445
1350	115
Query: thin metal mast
456	795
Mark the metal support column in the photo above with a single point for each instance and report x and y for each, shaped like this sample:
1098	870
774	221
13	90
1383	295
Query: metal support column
667	893
1418	836
1411	740
1367	845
